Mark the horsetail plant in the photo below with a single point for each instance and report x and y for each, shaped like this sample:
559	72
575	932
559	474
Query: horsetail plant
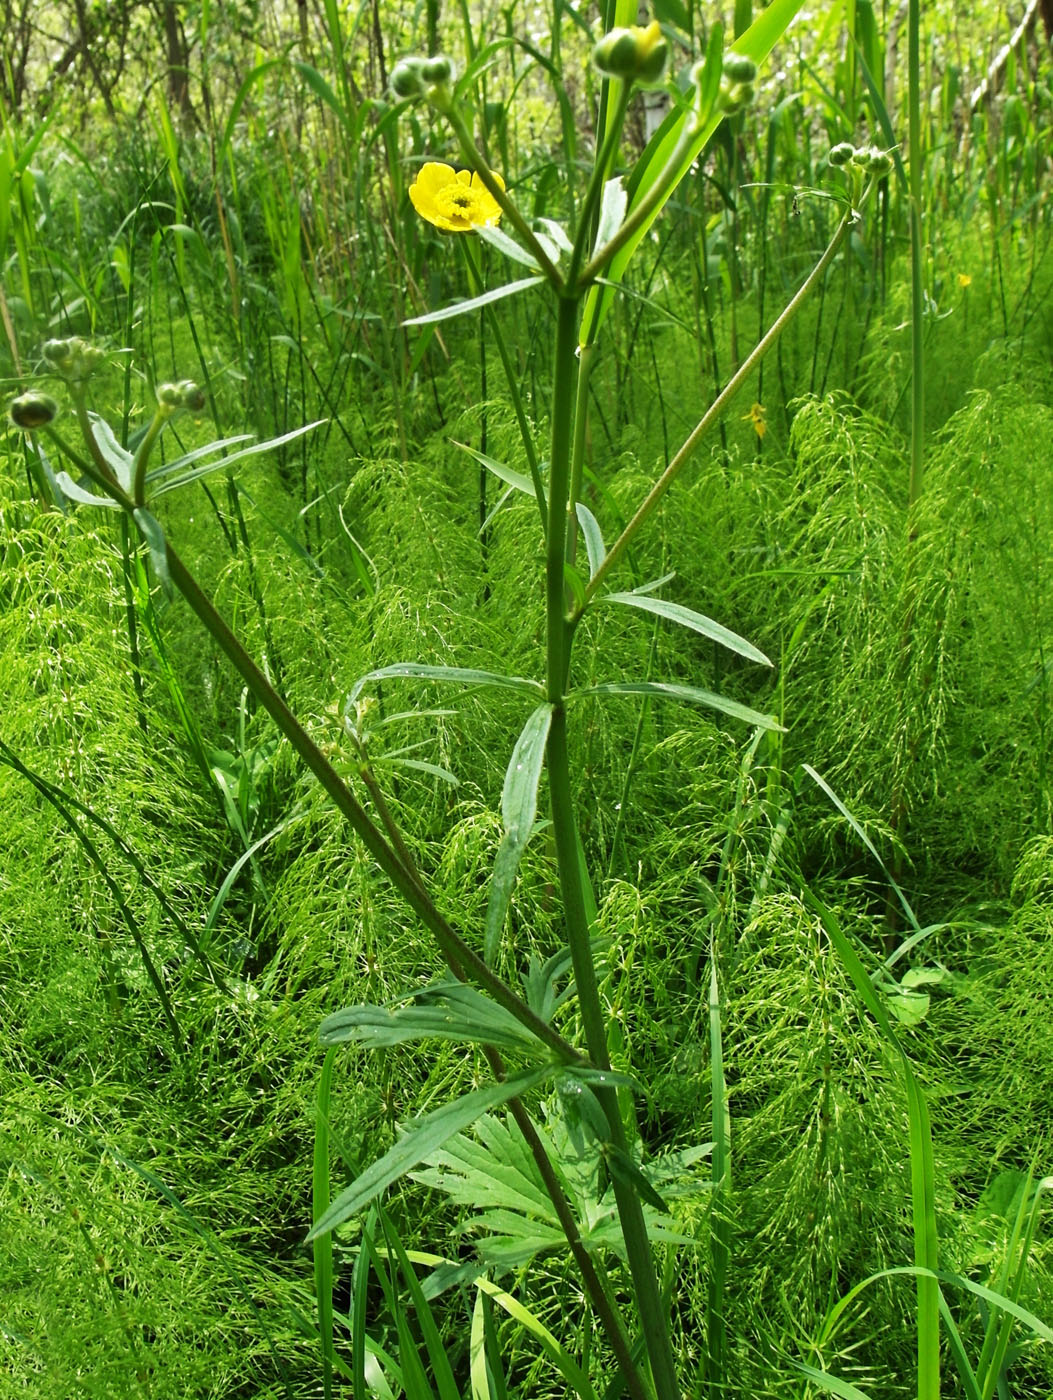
578	269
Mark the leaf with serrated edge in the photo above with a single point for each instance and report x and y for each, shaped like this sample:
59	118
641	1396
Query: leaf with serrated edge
425	1136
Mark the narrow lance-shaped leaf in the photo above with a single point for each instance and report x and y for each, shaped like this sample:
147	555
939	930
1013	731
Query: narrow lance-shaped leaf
497	238
425	1136
612	211
119	459
70	489
459	675
224	463
460	307
696	621
150	528
594	546
518	811
689	694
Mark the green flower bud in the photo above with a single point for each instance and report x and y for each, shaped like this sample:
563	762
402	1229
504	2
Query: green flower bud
33	410
170	396
738	68
407	78
55	351
437	70
734	96
74	360
636	54
842	153
193	396
878	162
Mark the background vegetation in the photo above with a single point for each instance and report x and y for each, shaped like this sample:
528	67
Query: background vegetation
219	192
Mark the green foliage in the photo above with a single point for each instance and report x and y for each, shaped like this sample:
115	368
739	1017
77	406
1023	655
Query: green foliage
179	908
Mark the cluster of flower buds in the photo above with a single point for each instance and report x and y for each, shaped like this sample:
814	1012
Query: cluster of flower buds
868	158
73	360
33	410
636	55
422	77
736	83
185	394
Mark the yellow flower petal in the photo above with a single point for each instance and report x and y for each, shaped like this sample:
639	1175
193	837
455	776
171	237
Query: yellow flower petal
454	200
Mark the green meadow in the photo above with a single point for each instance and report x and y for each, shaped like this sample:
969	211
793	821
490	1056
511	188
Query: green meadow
526	701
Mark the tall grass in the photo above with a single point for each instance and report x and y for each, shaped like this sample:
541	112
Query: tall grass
180	909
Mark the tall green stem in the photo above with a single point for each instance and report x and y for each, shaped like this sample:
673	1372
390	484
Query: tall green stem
560	632
461	959
716	410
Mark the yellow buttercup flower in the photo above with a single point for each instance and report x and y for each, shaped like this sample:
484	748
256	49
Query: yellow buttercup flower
756	417
454	200
964	280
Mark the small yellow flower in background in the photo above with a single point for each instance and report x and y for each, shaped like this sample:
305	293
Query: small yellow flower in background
964	280
756	417
454	200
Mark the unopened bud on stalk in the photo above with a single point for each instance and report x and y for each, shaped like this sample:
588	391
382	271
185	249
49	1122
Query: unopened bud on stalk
738	68
407	79
842	153
878	162
423	77
636	54
437	70
193	396
170	396
33	410
734	96
73	360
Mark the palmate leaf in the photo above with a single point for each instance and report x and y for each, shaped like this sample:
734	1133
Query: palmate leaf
492	1173
424	1137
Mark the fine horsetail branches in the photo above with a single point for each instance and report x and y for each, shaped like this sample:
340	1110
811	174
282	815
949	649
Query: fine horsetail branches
596	664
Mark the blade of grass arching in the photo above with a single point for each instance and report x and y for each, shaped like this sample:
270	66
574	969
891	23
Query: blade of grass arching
821	782
497	1388
720	1224
757	43
323	1244
957	1349
56	800
190	940
575	1377
922	1166
996	1341
438	1361
359	1292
